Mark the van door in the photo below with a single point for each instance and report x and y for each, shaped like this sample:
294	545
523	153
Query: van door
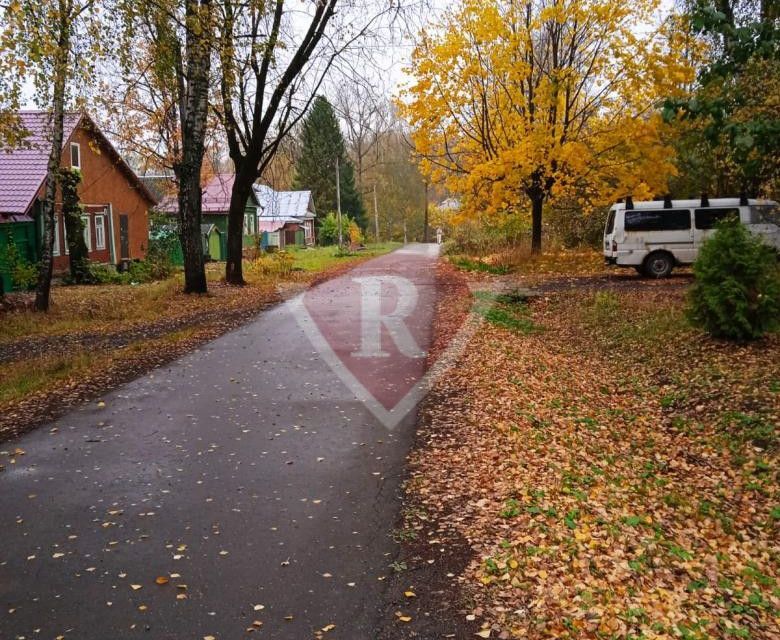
705	221
649	230
609	234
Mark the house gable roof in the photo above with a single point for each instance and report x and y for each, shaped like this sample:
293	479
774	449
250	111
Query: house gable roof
23	168
215	198
284	204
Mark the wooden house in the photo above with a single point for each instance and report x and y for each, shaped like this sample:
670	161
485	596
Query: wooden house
115	202
214	215
286	218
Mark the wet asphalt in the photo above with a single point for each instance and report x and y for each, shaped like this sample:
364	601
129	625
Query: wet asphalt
246	474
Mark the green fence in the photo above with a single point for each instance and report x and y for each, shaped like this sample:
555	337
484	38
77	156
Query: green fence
23	235
175	253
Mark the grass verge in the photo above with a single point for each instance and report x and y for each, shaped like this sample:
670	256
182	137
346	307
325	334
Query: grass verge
319	258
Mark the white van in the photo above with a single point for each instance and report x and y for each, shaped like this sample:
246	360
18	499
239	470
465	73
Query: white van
655	236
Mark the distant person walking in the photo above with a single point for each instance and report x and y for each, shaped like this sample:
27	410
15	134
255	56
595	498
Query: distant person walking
439	235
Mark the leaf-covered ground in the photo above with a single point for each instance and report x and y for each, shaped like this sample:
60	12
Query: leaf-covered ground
613	471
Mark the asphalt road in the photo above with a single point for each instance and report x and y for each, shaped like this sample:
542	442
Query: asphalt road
247	471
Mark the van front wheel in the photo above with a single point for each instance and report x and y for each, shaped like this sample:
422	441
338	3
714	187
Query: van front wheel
658	264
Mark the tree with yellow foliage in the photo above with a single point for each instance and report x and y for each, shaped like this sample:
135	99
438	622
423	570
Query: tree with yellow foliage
533	101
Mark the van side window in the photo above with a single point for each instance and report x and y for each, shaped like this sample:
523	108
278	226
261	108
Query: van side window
709	218
657	220
610	222
765	214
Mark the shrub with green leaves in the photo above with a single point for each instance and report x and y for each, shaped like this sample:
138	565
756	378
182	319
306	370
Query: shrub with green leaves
104	274
737	290
138	271
328	233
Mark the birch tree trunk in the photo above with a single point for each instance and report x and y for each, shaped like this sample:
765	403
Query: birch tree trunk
43	288
193	110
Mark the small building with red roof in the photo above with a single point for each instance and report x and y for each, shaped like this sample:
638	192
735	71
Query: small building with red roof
116	203
215	205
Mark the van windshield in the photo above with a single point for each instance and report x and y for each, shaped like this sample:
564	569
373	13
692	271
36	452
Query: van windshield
610	222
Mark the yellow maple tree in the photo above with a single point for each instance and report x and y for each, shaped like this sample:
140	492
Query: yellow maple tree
518	102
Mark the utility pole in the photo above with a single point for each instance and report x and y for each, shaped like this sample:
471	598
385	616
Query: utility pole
338	202
376	216
425	228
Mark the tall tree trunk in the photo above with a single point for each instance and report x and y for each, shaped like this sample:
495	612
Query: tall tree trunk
537	191
425	218
189	230
242	188
193	111
537	201
43	287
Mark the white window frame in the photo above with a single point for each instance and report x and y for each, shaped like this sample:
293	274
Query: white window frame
65	236
87	232
100	237
77	146
248	230
56	249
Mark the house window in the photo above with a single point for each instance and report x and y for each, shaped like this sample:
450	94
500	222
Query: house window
248	227
75	155
100	232
87	233
65	236
56	249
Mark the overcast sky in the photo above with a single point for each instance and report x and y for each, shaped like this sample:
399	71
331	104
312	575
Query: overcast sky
390	57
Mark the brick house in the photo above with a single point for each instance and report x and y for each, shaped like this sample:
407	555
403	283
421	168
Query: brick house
115	202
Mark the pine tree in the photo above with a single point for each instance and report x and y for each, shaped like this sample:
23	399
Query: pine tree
321	144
